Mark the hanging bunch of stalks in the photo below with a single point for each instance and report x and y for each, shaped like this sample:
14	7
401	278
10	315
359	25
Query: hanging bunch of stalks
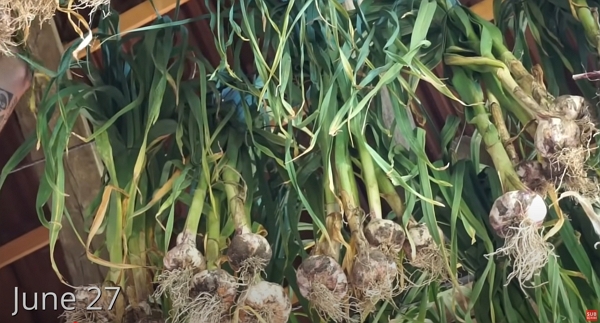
569	41
526	121
562	138
306	163
333	113
163	144
207	292
344	104
163	147
565	129
133	120
202	291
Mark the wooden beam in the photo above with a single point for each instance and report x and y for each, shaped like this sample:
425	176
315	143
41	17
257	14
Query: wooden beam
136	17
485	9
23	246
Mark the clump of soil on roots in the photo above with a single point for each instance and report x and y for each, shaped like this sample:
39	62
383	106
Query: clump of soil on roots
180	265
428	257
249	254
86	295
517	216
374	278
213	295
386	235
323	282
264	302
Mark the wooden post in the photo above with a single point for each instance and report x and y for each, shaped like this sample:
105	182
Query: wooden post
82	166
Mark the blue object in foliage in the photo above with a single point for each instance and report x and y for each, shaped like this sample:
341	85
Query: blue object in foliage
234	96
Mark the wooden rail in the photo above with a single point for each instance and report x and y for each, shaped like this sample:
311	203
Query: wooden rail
23	246
136	17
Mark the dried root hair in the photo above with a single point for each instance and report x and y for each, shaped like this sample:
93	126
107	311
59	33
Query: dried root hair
207	308
430	262
252	315
588	128
213	294
370	291
405	278
248	255
176	284
83	315
366	298
527	251
569	170
586	186
251	270
328	305
568	166
94	5
135	313
426	258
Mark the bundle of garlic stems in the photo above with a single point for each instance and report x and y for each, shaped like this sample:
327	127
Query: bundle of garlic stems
213	290
372	258
565	127
184	261
248	254
372	273
390	237
320	277
562	133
